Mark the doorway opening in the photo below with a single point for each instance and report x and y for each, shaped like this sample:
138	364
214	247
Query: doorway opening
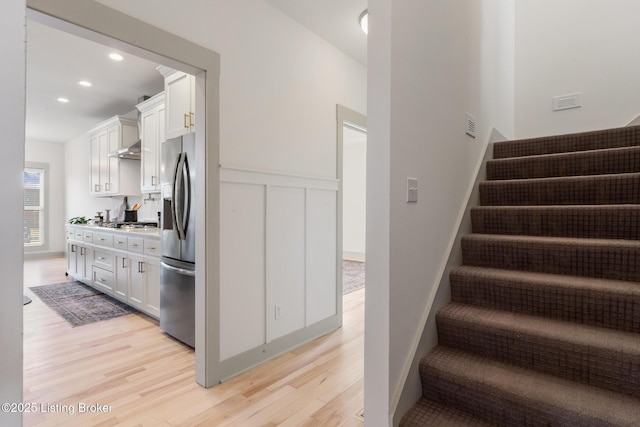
107	26
352	177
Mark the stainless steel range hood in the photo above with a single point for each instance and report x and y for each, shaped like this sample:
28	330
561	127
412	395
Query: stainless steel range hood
131	152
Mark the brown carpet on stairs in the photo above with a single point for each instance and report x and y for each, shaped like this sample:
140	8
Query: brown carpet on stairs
544	324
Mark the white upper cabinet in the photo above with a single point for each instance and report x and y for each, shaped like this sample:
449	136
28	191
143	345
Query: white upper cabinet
179	88
152	128
111	176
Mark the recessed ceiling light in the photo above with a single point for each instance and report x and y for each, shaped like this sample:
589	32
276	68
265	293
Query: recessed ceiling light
116	56
63	100
85	83
364	21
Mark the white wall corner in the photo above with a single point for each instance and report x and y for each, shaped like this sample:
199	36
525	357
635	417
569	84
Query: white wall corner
409	390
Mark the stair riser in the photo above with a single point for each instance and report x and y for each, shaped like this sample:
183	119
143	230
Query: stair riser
580	222
600	190
616	262
611	138
584	306
495	406
575	164
606	368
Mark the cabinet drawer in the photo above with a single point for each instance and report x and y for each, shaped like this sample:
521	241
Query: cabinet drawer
87	236
103	280
152	247
103	259
120	242
103	239
136	244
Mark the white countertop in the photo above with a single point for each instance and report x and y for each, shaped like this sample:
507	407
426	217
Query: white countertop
150	232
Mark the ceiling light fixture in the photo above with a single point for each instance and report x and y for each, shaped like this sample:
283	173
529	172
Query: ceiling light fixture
364	21
116	56
85	83
63	100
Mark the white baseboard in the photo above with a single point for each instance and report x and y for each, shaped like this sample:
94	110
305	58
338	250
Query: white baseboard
353	256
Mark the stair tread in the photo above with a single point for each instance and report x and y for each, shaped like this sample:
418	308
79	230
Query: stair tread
426	412
546	394
565	154
625	343
629	206
552	179
576	163
582	241
572	142
555	280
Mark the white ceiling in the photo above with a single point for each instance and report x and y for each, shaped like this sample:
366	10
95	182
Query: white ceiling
337	21
56	61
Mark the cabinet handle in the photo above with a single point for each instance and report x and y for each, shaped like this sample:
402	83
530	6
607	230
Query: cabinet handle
102	239
184	120
96	188
107	186
101	257
153	180
123	260
135	245
82	251
191	124
119	242
73	248
101	280
140	267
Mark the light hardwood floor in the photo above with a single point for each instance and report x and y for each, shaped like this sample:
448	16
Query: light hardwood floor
147	379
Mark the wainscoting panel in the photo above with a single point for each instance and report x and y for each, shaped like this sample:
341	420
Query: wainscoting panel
285	261
321	266
278	260
242	266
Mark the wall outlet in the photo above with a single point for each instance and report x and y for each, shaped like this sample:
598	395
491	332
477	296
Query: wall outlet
278	311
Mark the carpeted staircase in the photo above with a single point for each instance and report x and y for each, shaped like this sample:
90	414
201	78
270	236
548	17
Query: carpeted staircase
544	324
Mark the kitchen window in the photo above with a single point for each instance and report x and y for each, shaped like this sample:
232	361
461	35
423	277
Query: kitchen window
35	206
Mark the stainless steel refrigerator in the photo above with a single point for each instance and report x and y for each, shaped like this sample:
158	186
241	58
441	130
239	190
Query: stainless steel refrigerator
178	268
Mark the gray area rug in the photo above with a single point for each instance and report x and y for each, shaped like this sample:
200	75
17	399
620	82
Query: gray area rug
352	276
80	304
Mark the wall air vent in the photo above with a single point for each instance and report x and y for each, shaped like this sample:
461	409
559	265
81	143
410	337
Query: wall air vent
565	102
471	125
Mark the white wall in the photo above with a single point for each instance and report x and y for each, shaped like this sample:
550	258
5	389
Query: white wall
430	62
354	196
12	103
279	83
568	47
52	154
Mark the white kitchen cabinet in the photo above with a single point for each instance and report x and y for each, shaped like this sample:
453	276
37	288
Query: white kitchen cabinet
111	176
121	271
125	265
152	287
144	284
72	259
152	125
179	89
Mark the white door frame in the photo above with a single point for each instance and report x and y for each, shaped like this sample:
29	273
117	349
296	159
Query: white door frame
94	21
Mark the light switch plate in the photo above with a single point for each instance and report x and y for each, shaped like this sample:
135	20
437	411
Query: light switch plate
412	190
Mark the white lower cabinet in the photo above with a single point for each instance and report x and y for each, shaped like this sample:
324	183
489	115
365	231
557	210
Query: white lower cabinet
103	280
144	285
125	267
152	288
122	268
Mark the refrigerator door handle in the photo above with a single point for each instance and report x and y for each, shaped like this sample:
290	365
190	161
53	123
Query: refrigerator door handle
178	189
182	271
186	207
